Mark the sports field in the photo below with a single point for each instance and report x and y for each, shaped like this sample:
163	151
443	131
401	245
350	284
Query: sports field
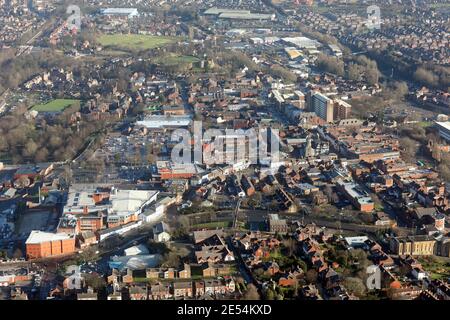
172	60
56	105
134	41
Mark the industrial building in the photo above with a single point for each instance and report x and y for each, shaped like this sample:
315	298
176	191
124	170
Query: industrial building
165	121
121	12
444	130
46	244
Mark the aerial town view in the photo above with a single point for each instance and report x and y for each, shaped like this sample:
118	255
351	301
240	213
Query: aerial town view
226	150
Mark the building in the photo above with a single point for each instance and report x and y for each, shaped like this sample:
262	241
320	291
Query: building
247	185
161	232
323	107
342	109
413	245
182	289
169	170
120	12
45	244
126	205
444	130
357	195
277	225
166	121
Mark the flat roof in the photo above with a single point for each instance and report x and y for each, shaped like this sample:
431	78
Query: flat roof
129	201
127	11
445	125
245	16
216	11
161	121
37	236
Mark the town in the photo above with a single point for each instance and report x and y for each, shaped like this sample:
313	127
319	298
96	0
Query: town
224	150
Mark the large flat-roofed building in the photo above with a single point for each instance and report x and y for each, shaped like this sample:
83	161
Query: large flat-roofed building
238	14
170	170
444	130
165	121
216	11
88	206
121	12
247	16
359	198
302	42
46	244
126	205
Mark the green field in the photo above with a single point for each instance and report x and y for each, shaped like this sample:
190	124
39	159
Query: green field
56	105
174	60
134	41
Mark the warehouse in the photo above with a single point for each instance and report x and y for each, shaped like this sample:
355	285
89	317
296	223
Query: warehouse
45	244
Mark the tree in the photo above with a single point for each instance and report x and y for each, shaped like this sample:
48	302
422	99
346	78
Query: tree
171	259
410	148
302	264
425	77
94	281
355	286
311	276
270	294
291	245
251	293
283	73
353	72
372	75
330	64
41	155
17	254
401	88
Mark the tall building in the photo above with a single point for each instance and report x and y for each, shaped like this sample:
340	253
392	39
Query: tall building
342	109
323	107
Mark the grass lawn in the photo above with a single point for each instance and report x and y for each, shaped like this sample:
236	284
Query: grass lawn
212	225
174	60
56	105
425	124
134	41
438	267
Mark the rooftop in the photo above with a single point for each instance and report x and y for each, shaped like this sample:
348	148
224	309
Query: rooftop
37	236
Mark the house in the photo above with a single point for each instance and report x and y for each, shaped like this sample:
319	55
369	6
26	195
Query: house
89	295
186	272
161	232
160	291
182	289
214	270
214	287
213	250
138	292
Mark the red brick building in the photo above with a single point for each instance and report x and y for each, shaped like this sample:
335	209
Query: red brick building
45	244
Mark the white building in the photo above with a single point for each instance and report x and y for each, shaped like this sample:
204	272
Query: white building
121	12
161	232
444	130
